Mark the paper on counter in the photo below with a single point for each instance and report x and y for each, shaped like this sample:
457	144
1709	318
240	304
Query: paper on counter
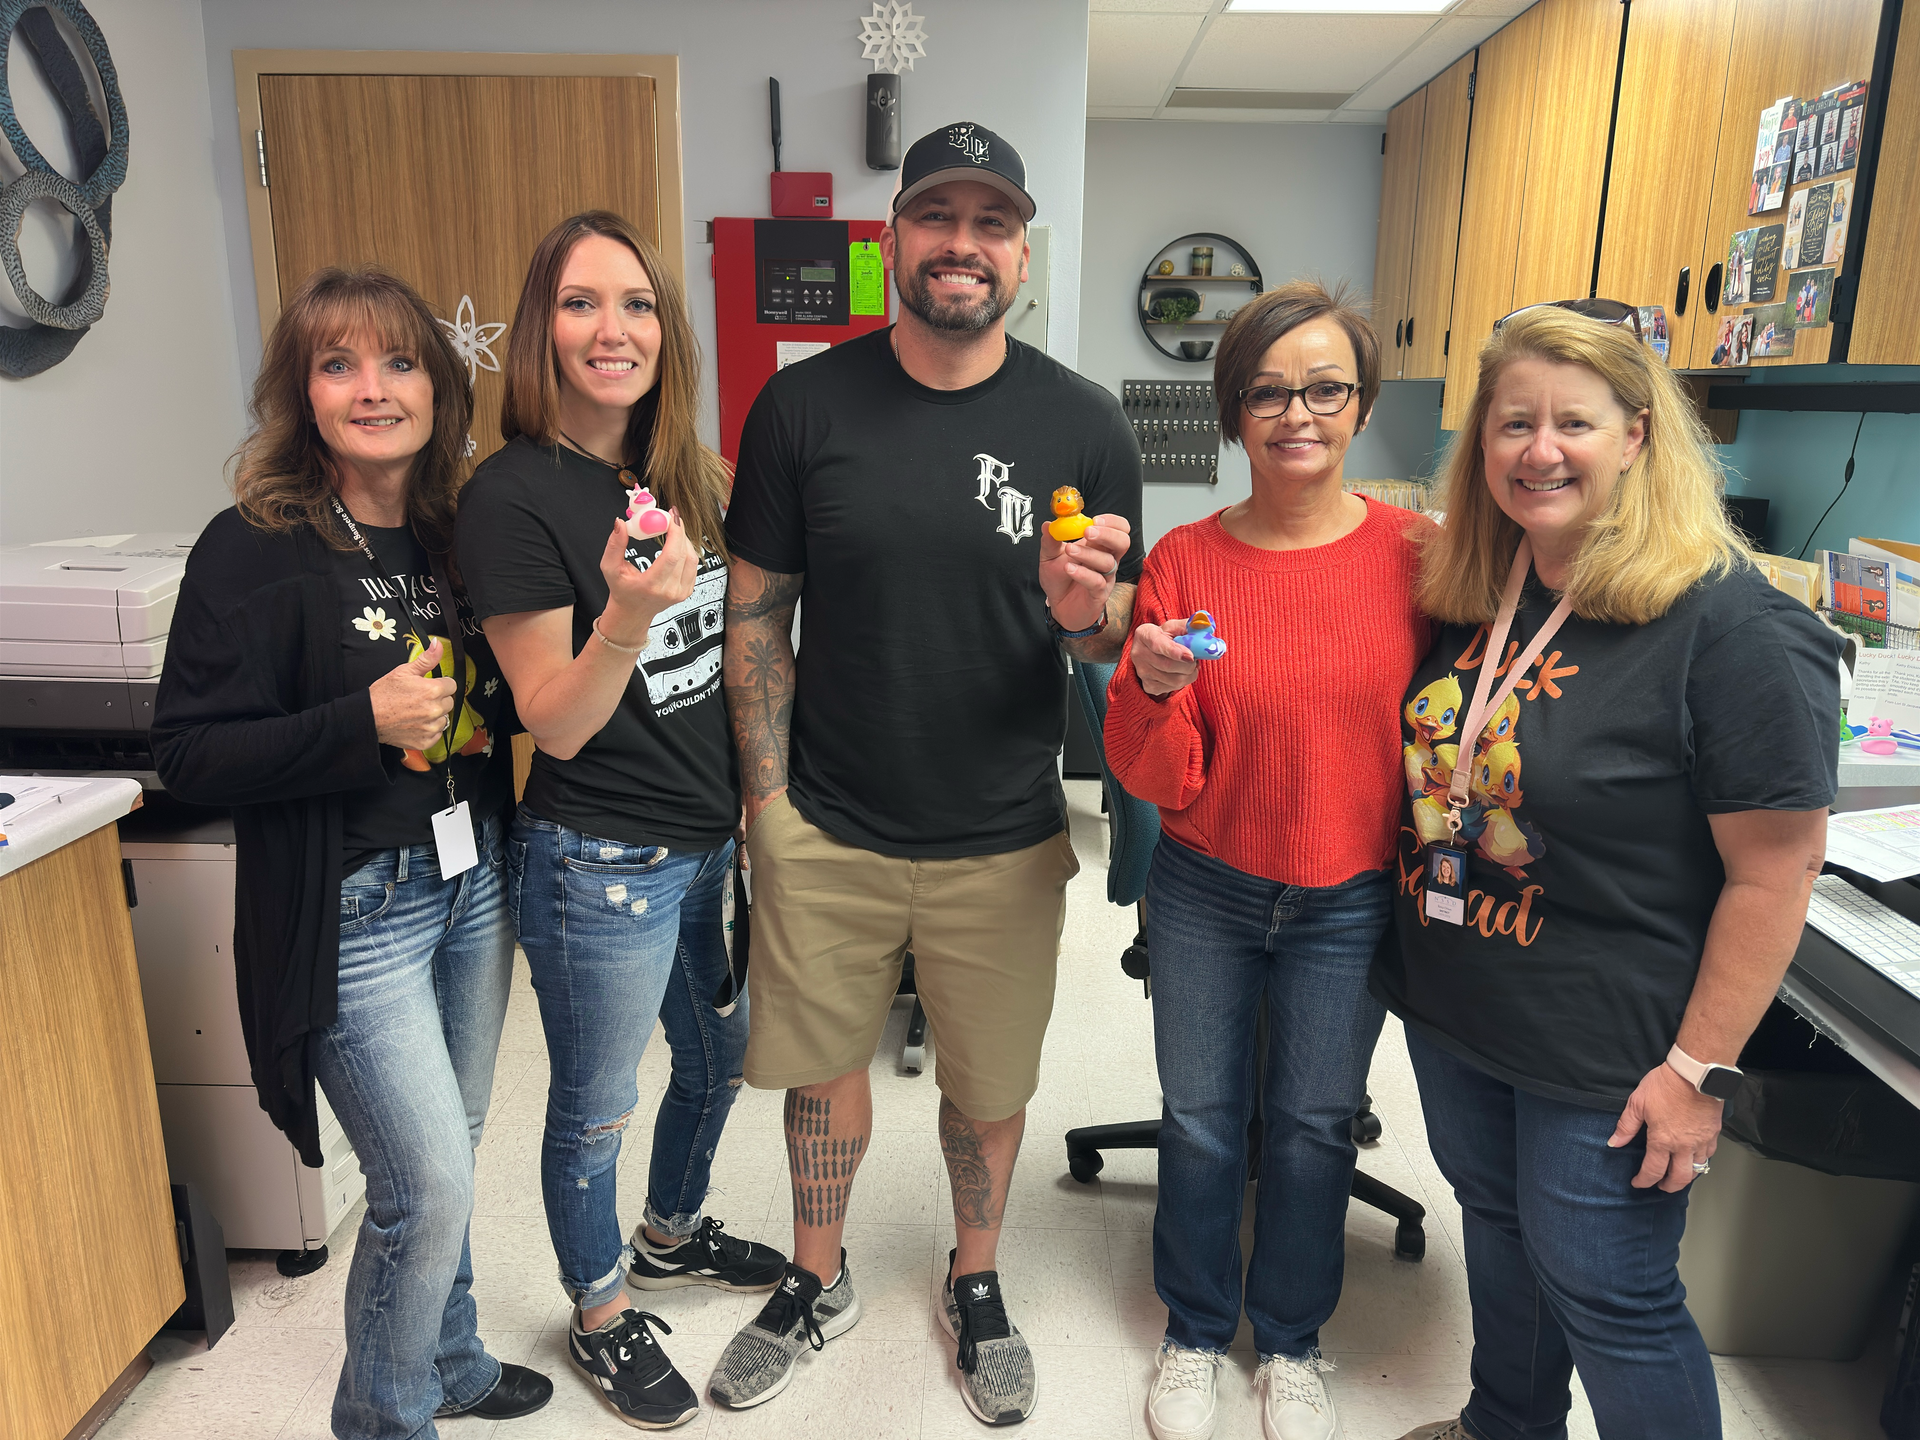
1880	844
1886	683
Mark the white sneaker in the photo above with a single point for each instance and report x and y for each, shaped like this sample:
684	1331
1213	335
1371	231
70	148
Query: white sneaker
1181	1404
1296	1405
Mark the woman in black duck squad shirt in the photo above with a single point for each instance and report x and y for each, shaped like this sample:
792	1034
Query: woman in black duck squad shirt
1638	828
310	685
623	847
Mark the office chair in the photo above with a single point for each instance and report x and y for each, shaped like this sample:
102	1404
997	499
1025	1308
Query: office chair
1133	831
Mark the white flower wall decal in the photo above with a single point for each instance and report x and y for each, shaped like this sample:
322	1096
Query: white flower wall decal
474	341
377	623
893	37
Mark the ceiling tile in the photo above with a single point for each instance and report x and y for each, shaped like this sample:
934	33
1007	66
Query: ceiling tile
1301	51
1131	59
1178	7
1503	9
1443	45
1121	112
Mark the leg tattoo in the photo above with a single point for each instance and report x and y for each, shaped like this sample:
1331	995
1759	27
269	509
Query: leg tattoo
822	1163
974	1203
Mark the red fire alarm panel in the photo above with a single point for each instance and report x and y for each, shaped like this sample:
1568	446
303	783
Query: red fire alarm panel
784	290
806	193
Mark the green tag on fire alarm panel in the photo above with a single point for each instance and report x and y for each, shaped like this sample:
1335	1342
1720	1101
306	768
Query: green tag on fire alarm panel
867	279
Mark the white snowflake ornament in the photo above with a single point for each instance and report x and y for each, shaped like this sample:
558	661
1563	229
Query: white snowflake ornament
473	341
892	37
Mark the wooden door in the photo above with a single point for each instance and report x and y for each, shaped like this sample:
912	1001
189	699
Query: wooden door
1886	311
1436	221
1782	47
1490	203
1673	80
450	181
1393	252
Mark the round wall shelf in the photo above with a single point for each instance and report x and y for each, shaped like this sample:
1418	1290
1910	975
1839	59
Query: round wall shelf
1217	295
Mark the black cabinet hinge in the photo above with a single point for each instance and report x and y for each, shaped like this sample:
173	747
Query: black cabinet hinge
1383	142
1446	343
126	878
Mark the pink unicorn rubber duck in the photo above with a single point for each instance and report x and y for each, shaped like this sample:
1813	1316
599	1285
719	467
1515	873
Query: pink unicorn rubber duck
644	518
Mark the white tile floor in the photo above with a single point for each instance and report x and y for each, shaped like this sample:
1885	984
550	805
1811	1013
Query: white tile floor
1076	1259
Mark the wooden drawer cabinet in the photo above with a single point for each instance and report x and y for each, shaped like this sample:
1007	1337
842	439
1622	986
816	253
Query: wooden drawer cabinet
1393	255
1436	221
1886	310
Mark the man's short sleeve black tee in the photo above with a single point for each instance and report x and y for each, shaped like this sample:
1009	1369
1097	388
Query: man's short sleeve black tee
931	698
1592	872
377	631
533	525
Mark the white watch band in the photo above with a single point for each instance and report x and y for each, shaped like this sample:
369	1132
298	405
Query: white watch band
1689	1069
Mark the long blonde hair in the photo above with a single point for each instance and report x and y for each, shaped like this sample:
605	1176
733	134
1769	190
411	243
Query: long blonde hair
1664	527
681	472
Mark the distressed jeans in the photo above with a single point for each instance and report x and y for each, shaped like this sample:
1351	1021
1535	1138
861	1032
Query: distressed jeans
1225	943
425	966
617	935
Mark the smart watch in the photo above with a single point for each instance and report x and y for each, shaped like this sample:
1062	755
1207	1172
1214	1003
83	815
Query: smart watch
1719	1082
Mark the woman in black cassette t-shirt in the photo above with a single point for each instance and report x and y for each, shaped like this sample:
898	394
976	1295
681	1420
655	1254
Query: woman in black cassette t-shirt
623	847
1629	772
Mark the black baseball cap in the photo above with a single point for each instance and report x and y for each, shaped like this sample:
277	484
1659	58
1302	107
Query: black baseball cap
965	151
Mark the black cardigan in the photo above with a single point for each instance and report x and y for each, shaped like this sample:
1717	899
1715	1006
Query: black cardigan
252	713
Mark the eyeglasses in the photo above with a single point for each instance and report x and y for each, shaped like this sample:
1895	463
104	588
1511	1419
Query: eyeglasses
1323	397
1607	312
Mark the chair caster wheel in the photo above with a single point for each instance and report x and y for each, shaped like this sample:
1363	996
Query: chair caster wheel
1365	1129
1083	1165
913	1058
294	1263
1409	1242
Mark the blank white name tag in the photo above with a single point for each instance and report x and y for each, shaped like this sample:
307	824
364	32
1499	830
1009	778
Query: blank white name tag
453	838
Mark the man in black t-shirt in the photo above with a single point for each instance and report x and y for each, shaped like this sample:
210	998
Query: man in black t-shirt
900	775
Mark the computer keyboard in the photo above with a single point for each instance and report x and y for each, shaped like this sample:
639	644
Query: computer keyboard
1882	937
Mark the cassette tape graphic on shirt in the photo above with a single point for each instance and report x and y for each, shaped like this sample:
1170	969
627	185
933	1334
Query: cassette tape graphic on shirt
682	658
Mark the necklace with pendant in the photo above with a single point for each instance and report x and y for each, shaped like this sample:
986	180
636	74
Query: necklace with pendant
627	478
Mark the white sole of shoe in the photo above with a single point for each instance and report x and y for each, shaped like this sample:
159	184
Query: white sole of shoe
966	1393
1154	1429
637	1423
684	1278
837	1326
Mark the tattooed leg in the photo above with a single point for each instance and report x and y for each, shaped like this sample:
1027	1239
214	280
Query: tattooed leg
980	1156
828	1129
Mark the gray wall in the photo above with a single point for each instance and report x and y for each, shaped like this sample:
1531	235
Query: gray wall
1017	66
130	432
1305	199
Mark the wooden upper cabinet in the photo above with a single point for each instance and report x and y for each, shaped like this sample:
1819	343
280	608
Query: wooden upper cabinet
1780	47
1491	200
1436	221
1886	312
1393	252
1673	81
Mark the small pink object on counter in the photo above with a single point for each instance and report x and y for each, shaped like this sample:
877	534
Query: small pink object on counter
644	518
1879	738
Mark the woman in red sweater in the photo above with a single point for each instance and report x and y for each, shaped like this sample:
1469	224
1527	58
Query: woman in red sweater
1277	769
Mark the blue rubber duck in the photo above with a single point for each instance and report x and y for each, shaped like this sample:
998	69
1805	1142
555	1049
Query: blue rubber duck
1200	639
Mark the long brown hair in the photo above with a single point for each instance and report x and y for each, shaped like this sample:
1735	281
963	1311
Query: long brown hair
283	470
681	472
1664	527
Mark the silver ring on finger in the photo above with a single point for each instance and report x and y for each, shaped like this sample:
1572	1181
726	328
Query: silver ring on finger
1701	1167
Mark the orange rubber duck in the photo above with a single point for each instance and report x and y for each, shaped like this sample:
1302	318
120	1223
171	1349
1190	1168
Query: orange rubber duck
1071	525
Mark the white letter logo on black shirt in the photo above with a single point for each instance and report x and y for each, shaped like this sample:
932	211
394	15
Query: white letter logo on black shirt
1016	510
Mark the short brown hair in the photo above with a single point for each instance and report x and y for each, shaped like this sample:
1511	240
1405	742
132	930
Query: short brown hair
1257	324
282	472
682	473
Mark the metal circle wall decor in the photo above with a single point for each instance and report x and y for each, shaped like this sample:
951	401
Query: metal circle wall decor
101	154
1174	316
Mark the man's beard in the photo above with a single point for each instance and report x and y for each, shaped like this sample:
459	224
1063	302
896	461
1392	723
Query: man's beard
959	317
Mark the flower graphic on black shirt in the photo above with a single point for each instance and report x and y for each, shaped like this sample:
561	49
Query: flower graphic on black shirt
377	624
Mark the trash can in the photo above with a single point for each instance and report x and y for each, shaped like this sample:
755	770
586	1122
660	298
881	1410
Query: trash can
1795	1236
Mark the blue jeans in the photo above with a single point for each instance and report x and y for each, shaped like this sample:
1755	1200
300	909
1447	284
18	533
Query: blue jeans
1221	940
1567	1264
425	965
616	935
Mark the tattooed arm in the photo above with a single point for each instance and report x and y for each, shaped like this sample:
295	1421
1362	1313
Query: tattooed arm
1105	648
759	676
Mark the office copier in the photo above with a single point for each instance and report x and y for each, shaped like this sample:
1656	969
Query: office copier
83	636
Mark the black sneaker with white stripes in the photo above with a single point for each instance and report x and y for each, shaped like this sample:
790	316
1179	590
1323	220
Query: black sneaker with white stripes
709	1256
631	1371
996	1367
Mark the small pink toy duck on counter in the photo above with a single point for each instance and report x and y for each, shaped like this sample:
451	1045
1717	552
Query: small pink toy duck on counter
644	518
1879	738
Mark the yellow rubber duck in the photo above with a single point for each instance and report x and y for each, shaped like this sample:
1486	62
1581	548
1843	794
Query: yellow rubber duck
1432	715
1509	843
1067	504
469	733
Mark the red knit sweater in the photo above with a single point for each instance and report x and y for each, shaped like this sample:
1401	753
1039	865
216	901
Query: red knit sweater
1283	758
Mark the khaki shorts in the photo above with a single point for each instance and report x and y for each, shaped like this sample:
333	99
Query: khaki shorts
831	924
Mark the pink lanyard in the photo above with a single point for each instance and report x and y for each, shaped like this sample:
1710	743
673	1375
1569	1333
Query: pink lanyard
1490	660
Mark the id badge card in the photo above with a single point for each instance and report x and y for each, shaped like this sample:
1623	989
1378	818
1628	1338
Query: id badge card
453	838
1446	885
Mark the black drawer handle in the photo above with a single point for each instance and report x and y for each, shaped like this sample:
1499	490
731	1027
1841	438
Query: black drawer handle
1398	326
1409	330
1713	288
1680	292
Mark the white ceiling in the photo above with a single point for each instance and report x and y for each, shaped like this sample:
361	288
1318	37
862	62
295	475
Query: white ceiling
1140	51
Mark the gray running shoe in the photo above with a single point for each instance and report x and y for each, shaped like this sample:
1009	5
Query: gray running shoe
758	1362
997	1379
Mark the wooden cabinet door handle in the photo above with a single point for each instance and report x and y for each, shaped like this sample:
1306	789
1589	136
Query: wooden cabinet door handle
1680	292
1713	288
1398	326
1409	330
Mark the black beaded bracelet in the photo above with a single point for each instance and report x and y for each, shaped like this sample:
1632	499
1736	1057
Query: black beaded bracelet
1089	632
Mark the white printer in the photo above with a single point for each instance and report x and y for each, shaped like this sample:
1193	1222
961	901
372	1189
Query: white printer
83	634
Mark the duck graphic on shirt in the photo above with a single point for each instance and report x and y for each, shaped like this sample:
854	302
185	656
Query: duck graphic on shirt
1504	838
1489	822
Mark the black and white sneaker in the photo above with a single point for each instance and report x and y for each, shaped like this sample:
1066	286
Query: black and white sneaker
996	1367
632	1372
758	1362
709	1256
